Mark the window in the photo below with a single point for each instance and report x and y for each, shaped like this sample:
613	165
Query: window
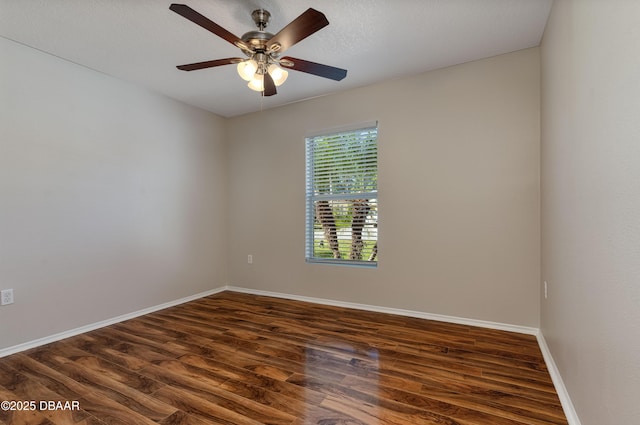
342	197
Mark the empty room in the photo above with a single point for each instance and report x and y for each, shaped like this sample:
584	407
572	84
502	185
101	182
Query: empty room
320	212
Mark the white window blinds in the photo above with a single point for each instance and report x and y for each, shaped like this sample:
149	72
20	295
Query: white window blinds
342	197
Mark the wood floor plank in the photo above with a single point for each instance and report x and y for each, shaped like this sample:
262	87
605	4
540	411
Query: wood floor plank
23	388
202	409
20	417
104	385
71	389
235	358
105	349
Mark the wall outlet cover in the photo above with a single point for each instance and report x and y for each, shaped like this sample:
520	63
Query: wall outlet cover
6	296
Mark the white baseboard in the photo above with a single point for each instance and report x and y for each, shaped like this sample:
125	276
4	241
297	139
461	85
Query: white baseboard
558	383
396	311
93	326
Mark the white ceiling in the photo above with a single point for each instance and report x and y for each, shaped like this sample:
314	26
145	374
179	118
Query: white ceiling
142	41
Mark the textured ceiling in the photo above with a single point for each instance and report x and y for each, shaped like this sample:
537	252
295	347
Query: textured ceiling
141	41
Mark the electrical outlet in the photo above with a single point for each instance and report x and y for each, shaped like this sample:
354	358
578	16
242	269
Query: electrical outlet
249	259
7	296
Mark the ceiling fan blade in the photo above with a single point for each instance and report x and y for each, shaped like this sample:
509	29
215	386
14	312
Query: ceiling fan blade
269	85
208	64
309	67
297	30
190	14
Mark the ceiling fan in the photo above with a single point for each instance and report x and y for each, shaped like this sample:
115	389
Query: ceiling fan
263	67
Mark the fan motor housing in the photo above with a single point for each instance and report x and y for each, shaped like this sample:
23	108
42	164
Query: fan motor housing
257	39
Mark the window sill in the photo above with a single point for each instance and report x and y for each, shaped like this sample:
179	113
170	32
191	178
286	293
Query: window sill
348	263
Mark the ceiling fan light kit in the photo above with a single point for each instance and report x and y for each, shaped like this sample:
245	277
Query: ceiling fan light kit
263	67
254	68
249	72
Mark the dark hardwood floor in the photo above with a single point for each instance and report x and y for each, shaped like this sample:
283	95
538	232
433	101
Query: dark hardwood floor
242	359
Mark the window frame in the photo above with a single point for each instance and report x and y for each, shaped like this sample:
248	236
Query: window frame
311	195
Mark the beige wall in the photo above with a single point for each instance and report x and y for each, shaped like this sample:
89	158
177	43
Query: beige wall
591	205
115	199
112	198
459	193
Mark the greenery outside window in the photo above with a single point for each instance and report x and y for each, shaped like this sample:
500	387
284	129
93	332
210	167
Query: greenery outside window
342	197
